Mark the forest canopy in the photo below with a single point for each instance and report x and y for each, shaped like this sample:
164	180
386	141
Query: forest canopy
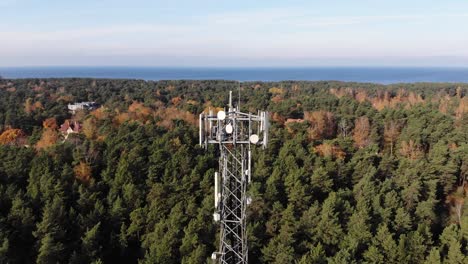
354	172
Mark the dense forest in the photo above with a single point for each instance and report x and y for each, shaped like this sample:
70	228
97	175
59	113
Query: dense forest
354	172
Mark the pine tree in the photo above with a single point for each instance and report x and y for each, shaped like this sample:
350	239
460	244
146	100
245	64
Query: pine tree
374	255
329	230
403	221
50	250
343	256
51	233
383	248
91	243
21	217
280	249
4	250
315	255
358	232
433	257
454	254
321	182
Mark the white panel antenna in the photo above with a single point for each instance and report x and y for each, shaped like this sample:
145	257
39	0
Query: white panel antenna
234	132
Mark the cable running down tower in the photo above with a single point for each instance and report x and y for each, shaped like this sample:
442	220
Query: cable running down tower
235	132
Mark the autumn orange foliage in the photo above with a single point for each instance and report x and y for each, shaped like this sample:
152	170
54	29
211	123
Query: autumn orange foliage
12	136
277	99
391	133
330	150
322	124
176	100
169	114
192	102
361	132
276	90
357	94
38	88
49	137
462	108
361	95
30	107
292	120
276	117
82	172
121	118
100	113
411	149
89	128
414	98
50	123
382	99
444	104
138	111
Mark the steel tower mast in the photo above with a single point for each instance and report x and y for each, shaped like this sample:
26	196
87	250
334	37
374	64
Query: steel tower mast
235	132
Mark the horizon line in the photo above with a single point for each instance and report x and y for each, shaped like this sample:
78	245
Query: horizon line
237	67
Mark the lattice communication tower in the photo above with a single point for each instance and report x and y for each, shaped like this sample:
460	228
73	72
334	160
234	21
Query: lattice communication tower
235	132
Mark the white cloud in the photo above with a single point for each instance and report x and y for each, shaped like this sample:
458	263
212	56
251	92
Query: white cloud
280	34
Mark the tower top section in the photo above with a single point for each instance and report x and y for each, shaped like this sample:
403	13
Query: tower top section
231	126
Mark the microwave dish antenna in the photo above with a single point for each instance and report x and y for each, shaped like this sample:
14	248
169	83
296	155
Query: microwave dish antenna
234	132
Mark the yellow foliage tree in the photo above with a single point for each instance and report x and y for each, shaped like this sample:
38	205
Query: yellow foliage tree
11	136
89	128
276	91
411	149
49	137
50	123
176	100
139	112
83	172
322	124
28	106
329	150
361	132
100	113
391	133
462	108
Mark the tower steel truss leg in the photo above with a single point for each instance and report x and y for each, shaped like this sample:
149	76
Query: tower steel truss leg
235	132
233	163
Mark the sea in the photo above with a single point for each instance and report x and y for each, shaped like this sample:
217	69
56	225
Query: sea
381	75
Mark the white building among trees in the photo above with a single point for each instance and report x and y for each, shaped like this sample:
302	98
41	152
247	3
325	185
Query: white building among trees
82	106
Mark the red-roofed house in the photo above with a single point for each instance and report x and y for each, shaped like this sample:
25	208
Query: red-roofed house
70	127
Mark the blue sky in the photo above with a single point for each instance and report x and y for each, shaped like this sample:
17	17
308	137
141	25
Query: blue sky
234	33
